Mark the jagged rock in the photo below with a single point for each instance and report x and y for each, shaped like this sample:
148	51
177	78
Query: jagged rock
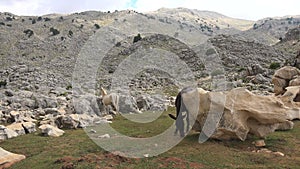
6	133
295	82
29	127
46	102
73	121
15	116
242	113
128	104
9	93
283	77
153	103
287	72
17	127
52	131
7	159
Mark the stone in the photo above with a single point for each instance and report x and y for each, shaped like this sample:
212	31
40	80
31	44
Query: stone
259	143
284	77
277	153
240	114
6	133
52	131
104	136
17	127
15	116
295	82
29	127
73	121
108	117
287	72
128	104
9	93
7	159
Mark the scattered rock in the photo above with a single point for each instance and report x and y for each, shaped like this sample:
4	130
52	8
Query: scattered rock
259	143
279	154
52	131
7	159
6	133
284	77
104	136
17	127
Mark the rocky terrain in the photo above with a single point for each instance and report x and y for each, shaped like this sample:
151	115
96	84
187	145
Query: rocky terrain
39	54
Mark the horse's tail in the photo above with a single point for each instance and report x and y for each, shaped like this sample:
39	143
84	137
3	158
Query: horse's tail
177	105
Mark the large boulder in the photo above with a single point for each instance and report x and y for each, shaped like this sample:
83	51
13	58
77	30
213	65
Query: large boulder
237	113
7	159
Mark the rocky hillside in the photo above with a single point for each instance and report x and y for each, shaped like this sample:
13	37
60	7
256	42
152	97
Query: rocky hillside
271	30
39	53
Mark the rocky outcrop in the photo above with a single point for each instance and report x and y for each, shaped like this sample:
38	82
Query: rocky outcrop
238	113
7	159
284	77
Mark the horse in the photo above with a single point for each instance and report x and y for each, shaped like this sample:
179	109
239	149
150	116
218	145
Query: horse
111	99
180	108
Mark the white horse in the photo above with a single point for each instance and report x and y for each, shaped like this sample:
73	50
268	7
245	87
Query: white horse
111	99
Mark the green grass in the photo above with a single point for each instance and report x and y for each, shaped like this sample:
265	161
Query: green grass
75	149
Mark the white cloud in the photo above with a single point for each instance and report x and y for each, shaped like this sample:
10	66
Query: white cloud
250	9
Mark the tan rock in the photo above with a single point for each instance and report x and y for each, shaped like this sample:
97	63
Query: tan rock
295	82
259	143
279	154
237	113
51	130
287	72
6	133
7	159
17	127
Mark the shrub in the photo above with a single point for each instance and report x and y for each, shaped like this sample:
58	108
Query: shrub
137	38
47	19
39	18
3	83
33	21
97	26
216	72
118	44
210	51
28	32
71	33
54	31
69	87
274	65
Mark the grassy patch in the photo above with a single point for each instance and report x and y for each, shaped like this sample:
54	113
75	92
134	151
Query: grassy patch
75	150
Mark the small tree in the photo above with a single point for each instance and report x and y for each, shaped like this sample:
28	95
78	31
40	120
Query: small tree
28	32
97	26
54	31
137	38
274	65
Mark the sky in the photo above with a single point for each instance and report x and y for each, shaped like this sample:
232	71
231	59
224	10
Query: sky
244	9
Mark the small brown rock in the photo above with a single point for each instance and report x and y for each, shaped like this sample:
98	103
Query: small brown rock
259	143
